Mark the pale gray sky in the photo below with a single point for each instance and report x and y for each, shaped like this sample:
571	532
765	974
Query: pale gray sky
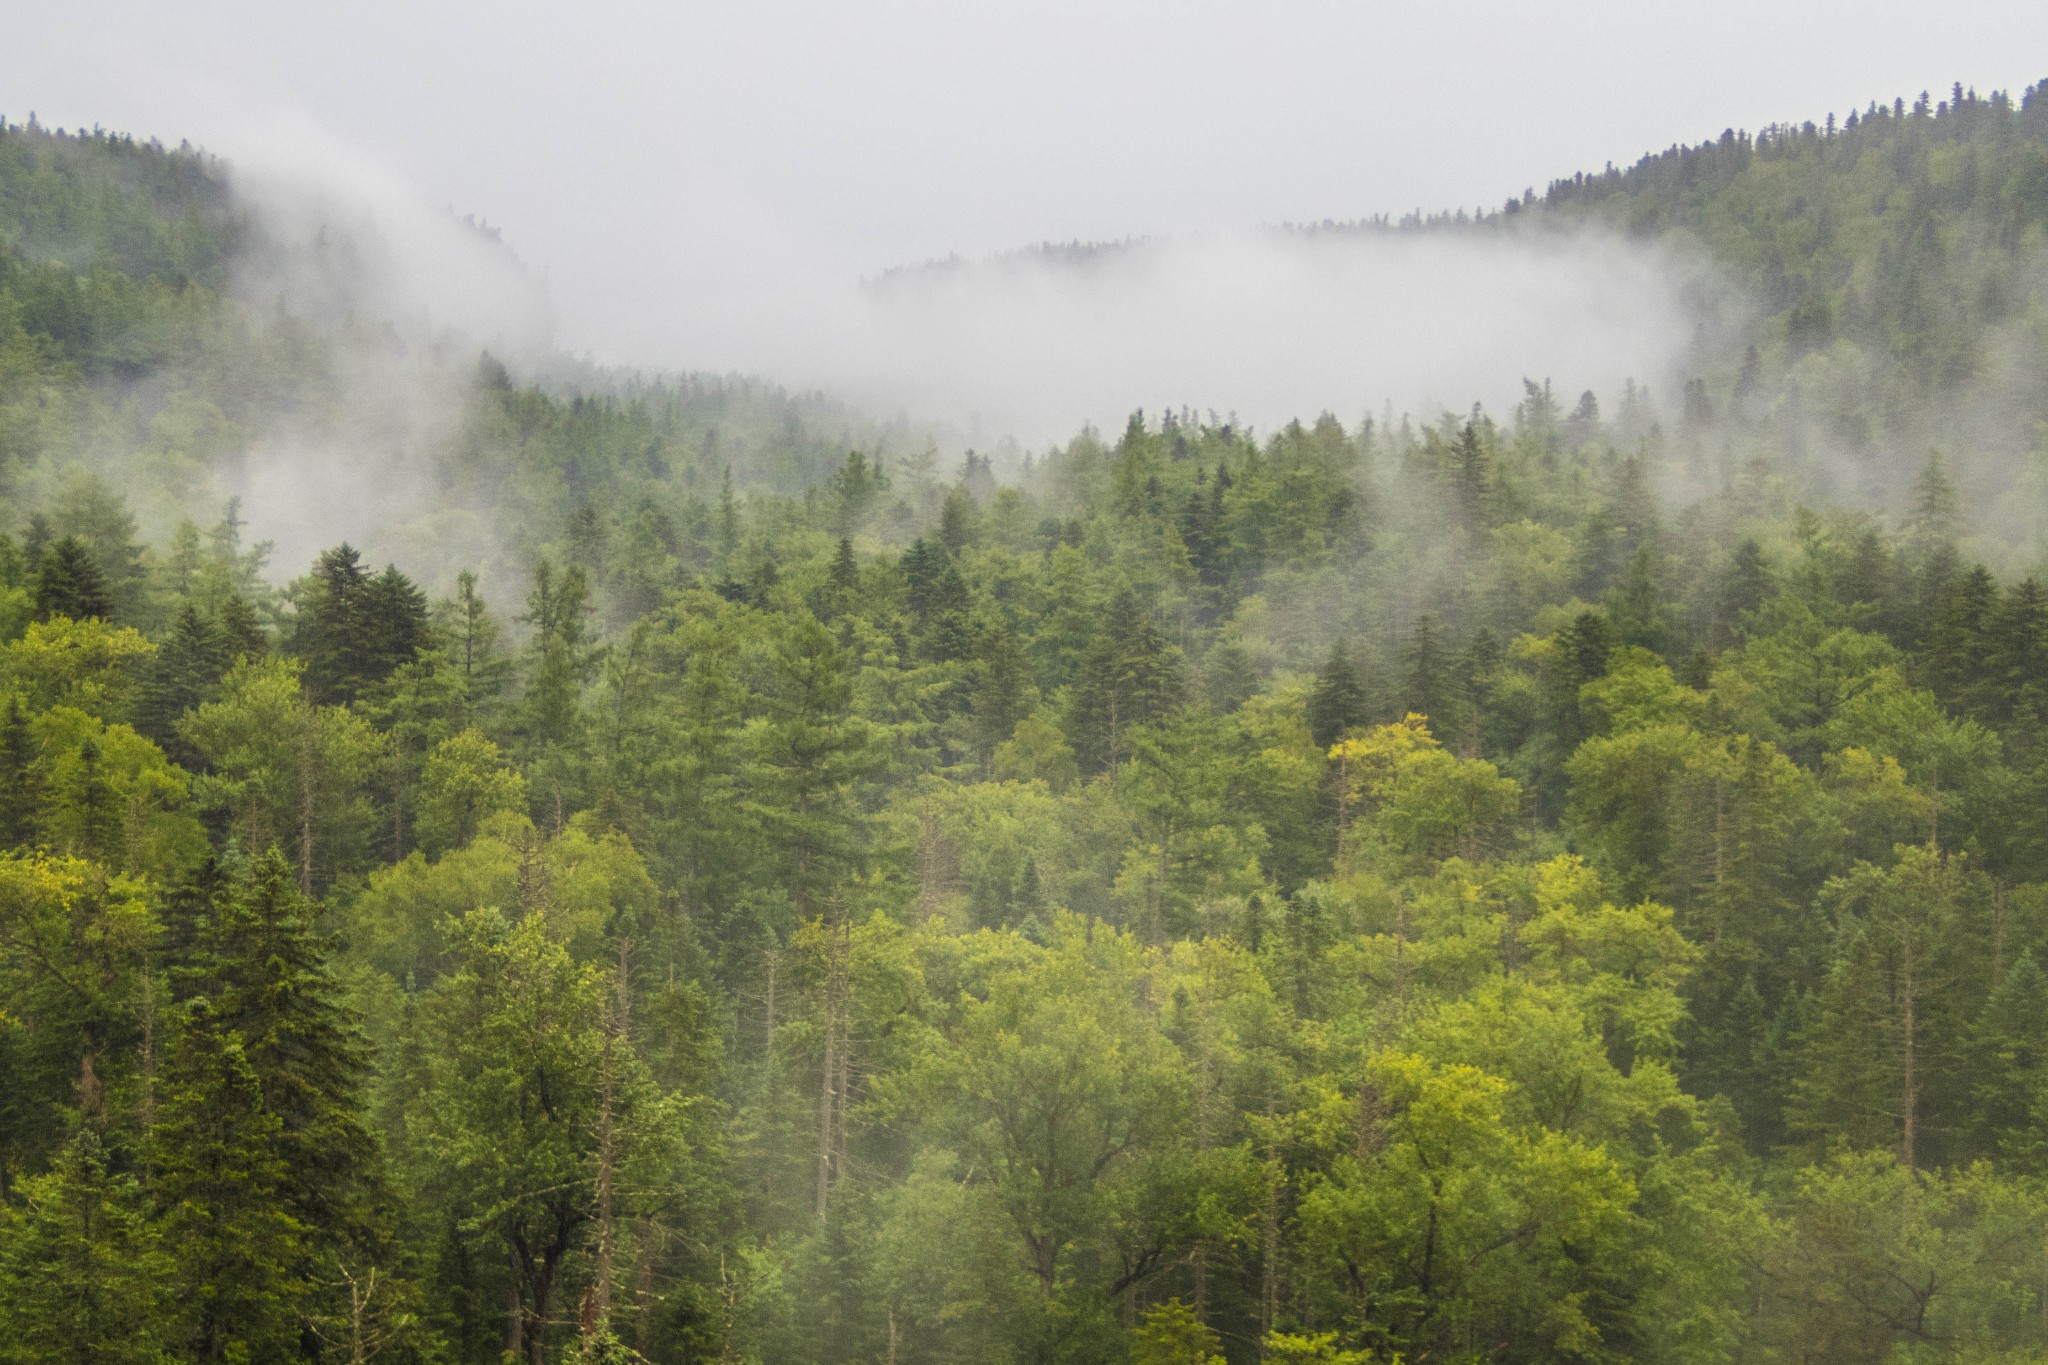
683	171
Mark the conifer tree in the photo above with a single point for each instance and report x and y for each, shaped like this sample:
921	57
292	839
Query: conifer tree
17	759
1338	701
263	967
472	643
332	629
2009	1047
1429	686
84	1277
184	674
240	1273
68	583
1129	676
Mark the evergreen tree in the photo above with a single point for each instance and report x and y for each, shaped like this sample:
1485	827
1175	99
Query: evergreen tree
17	775
472	642
69	583
1636	607
83	1273
263	967
560	660
2010	1062
1130	675
332	631
354	628
185	673
1338	702
1429	686
240	1274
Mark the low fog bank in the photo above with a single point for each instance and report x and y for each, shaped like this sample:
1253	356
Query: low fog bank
1263	326
1015	352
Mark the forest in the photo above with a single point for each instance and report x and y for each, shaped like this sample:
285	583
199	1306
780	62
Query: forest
1566	883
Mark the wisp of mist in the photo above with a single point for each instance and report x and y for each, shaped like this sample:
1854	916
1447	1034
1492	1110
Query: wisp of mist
1263	326
1018	350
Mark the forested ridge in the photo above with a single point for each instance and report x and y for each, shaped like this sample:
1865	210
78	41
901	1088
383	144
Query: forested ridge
1567	883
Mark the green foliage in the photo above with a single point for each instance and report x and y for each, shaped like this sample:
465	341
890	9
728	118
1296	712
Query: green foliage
1538	886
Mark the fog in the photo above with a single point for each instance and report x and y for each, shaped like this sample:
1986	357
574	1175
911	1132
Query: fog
1259	327
707	186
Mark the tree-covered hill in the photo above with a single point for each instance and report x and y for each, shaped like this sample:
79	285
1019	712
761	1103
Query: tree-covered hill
1556	885
1897	263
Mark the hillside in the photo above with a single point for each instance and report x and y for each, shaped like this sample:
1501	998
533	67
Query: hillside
1559	884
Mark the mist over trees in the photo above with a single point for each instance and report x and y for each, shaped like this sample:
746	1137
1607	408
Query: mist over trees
1567	883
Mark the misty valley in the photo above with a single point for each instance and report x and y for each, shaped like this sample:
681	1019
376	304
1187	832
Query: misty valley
507	858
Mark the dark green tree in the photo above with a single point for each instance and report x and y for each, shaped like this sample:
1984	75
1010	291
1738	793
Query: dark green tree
69	583
1338	701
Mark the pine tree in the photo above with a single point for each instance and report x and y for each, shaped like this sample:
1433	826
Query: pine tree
354	628
1338	701
958	520
2016	685
1130	676
1957	654
243	631
68	583
1937	509
239	1278
83	1274
264	967
1745	587
2009	1053
395	624
472	643
17	764
331	631
1002	688
186	672
1429	686
841	594
1636	606
560	660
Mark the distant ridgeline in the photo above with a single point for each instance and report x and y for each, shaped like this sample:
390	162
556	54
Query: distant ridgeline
140	340
1899	259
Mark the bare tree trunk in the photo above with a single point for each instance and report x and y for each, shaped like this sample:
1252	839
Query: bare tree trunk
515	1319
596	1318
1269	1255
830	1072
1909	1099
643	1284
768	1015
306	807
148	1051
728	1315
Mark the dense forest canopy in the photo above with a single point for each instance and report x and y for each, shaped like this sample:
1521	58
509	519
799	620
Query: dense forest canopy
1567	883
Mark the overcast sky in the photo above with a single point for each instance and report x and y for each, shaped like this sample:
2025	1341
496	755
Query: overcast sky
668	161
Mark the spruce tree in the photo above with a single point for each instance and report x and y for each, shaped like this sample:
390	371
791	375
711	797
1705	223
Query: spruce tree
84	1278
332	633
187	668
219	1184
1956	655
265	970
17	774
1129	676
1744	588
1338	702
2009	1056
1429	685
1636	606
68	583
